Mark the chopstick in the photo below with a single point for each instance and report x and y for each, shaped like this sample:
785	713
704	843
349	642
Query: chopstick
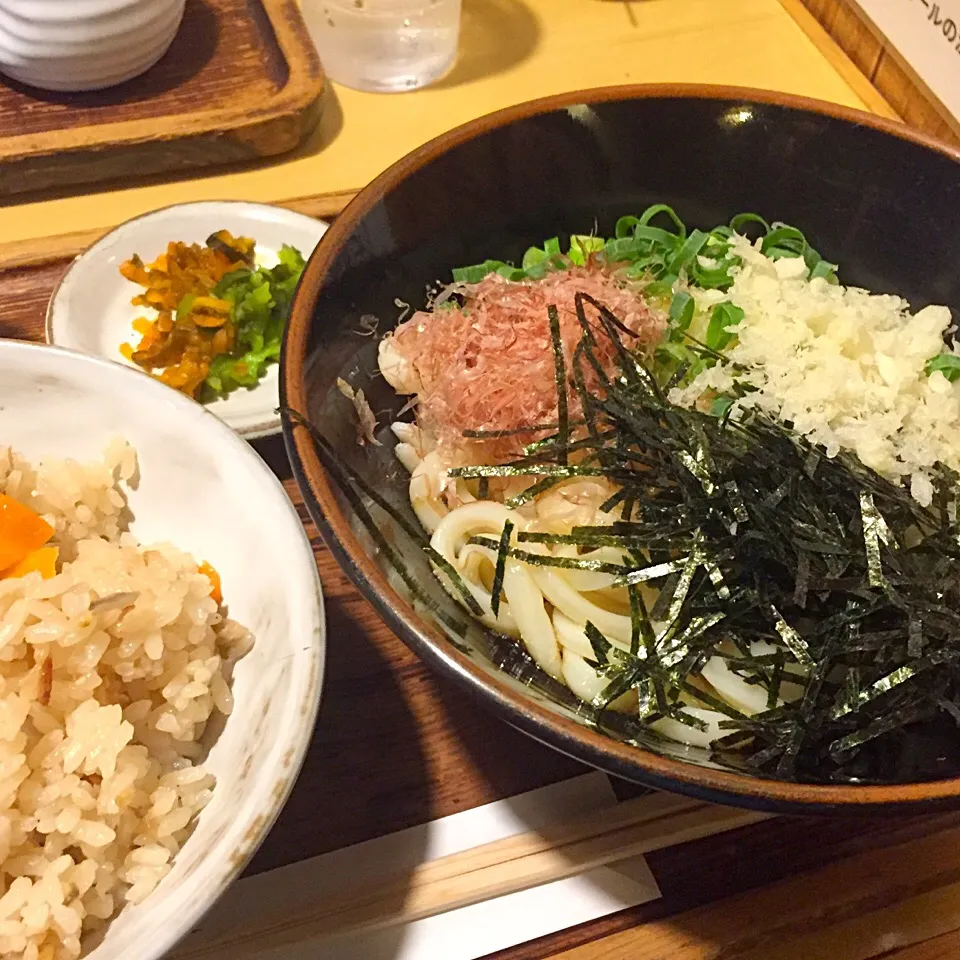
492	870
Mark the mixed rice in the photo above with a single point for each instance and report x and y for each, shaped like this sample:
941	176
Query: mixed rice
109	671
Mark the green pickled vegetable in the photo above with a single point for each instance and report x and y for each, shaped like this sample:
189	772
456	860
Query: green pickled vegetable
260	301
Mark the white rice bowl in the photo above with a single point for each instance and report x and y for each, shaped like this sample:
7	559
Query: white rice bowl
111	775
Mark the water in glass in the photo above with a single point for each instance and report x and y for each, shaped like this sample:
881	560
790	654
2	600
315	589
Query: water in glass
384	45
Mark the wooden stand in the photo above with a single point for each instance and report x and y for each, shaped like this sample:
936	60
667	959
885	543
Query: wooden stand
885	68
241	80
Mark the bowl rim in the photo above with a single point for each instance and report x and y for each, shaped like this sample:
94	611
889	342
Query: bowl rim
270	424
429	642
225	871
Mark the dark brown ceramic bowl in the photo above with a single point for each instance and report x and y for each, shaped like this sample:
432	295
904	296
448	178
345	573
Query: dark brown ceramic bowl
881	200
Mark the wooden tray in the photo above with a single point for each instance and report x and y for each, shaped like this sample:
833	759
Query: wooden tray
241	80
397	747
886	70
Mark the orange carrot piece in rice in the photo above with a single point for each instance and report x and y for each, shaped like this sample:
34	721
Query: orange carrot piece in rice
43	560
21	531
215	587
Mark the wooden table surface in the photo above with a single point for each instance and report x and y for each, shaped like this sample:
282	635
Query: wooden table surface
511	50
397	747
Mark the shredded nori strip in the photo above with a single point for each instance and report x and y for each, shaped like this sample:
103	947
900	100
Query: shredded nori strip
752	534
515	432
350	482
546	560
560	374
600	644
500	569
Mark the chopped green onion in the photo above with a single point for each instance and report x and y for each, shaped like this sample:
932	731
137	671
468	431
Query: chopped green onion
946	363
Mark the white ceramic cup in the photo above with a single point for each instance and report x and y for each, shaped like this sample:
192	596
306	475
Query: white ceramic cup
84	44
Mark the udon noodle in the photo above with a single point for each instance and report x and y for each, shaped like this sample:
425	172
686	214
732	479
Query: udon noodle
546	608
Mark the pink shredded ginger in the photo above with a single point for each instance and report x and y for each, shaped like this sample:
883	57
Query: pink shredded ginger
489	365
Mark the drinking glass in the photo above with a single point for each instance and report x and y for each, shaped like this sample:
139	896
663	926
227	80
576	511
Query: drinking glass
384	45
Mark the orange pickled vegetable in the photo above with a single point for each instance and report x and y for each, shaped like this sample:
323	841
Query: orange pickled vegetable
212	305
21	531
215	587
192	326
42	560
209	321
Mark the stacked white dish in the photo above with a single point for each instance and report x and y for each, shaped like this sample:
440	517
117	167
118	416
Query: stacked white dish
84	44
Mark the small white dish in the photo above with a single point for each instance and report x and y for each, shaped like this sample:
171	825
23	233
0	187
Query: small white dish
206	491
90	309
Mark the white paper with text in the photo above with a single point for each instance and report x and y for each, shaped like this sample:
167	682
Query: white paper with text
926	33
